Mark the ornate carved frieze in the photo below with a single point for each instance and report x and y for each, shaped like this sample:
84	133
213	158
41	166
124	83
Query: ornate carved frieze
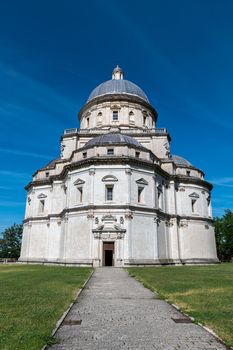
108	236
109	217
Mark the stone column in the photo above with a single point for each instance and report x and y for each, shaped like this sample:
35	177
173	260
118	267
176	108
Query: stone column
128	172
92	184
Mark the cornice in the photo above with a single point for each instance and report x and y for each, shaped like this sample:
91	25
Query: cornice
118	160
191	180
85	208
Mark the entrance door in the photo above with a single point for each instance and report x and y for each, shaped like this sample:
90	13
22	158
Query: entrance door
108	253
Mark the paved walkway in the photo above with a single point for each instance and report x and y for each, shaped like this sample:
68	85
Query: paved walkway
116	312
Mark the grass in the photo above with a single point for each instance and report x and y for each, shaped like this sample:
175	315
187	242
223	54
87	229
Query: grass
32	299
203	292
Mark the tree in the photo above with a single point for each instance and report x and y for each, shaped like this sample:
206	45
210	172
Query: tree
10	243
224	235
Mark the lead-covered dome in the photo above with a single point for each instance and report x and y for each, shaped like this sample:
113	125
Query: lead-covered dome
118	85
113	139
180	160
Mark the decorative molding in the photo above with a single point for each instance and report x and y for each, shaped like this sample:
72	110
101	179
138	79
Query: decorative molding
122	220
141	181
128	171
108	236
109	178
157	220
41	196
29	200
96	220
90	214
183	223
92	171
128	215
108	217
181	189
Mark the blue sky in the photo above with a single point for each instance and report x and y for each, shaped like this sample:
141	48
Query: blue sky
53	53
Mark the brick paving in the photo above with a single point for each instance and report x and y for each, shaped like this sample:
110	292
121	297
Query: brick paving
116	312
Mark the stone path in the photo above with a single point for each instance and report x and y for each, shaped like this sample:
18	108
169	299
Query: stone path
116	312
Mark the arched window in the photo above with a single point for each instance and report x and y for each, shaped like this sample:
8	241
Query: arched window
131	117
99	118
144	118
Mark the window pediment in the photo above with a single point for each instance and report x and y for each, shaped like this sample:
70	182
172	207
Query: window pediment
79	182
41	196
141	181
109	178
194	195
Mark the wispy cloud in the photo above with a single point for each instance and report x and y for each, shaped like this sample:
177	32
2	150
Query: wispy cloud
223	181
26	154
11	204
7	188
36	99
14	174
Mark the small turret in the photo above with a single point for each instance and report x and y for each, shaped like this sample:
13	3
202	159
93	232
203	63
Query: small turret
117	73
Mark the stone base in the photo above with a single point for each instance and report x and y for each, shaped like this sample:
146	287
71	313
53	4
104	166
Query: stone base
128	262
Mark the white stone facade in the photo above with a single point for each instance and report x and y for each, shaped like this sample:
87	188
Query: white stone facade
116	196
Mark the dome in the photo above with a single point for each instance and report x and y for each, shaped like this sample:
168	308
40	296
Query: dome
113	139
180	160
118	85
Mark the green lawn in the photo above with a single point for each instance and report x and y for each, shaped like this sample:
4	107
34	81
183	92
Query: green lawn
204	292
32	299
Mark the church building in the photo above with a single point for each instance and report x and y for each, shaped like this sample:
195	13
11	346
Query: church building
116	196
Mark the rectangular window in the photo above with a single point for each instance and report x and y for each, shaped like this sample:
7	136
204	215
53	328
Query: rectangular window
110	151
140	190
193	202
84	154
109	193
41	206
144	120
137	154
88	122
115	115
188	172
80	194
47	174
